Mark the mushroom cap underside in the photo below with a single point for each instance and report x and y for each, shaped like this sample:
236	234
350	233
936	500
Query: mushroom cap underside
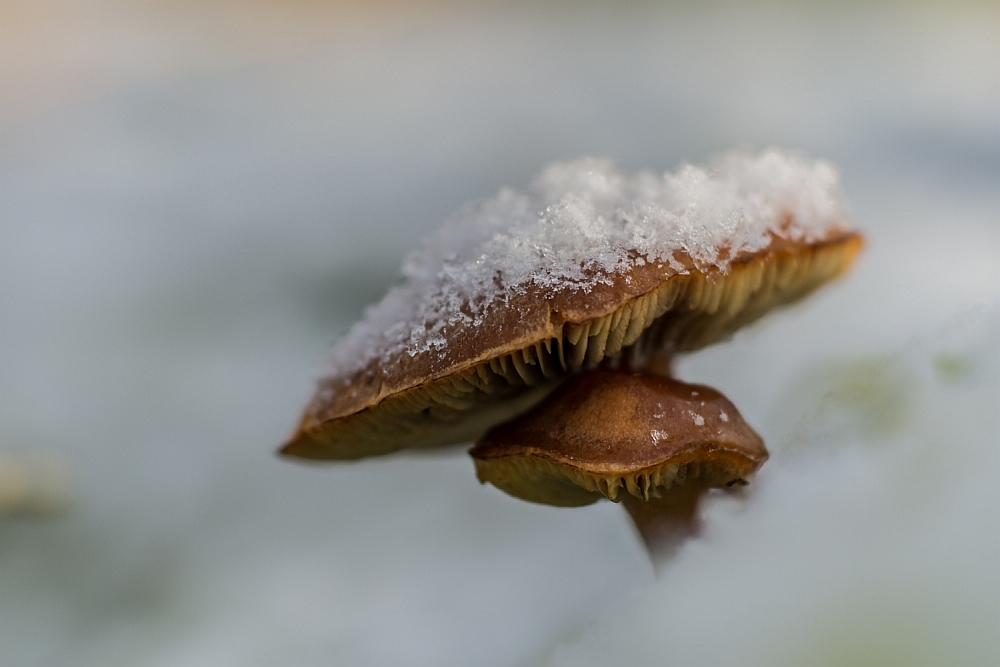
606	433
492	372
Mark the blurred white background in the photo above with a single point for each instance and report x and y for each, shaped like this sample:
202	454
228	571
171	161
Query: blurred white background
197	198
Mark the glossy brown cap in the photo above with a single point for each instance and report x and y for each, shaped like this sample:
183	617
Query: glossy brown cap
605	433
501	367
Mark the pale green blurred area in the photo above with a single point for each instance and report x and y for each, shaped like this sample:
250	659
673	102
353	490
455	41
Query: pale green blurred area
197	198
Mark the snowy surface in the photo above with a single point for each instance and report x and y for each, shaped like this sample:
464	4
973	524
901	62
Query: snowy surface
195	201
579	223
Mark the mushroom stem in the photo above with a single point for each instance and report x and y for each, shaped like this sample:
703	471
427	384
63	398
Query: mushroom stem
660	364
642	360
665	522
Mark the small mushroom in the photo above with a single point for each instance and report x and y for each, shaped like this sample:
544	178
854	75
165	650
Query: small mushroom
651	442
505	303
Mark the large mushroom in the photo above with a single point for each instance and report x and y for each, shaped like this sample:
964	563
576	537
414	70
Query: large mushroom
515	295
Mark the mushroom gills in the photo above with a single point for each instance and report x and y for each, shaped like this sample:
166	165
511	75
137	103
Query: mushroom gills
547	482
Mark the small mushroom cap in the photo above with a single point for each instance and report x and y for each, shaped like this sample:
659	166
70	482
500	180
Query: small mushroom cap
498	311
607	432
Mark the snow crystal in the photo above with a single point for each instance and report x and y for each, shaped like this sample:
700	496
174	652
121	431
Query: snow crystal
578	223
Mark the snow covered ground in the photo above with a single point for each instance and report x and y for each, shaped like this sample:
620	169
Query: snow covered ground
196	199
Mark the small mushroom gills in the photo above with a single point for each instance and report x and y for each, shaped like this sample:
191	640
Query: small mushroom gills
542	294
651	442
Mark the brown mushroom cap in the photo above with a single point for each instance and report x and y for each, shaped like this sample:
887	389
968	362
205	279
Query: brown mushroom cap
610	433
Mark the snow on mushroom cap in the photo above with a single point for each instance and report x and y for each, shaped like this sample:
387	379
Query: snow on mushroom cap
581	221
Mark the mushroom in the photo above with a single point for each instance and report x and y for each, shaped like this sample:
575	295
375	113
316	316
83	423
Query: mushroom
651	442
526	290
